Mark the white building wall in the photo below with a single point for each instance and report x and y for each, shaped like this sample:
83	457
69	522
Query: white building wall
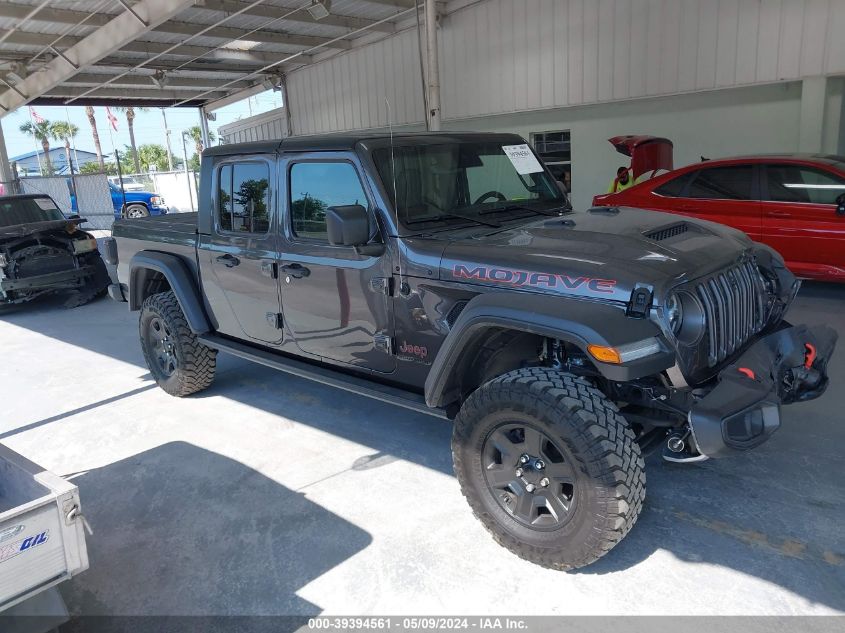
500	56
354	90
514	56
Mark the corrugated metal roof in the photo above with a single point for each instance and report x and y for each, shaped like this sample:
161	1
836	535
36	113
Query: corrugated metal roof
207	57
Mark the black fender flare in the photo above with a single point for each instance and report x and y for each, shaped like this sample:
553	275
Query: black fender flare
577	321
181	281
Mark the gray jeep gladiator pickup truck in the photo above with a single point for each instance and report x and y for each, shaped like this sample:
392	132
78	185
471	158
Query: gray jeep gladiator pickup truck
446	273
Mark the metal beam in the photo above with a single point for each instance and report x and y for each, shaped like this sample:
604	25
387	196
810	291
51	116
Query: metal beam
126	95
104	41
174	81
264	36
217	103
342	21
24	38
195	66
96	101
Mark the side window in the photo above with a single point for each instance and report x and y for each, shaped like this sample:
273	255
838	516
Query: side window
243	198
314	187
673	188
722	183
792	183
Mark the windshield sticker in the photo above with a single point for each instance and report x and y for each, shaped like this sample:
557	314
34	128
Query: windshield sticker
523	159
46	204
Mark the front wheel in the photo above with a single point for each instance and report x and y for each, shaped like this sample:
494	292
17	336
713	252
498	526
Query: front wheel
137	211
549	466
180	364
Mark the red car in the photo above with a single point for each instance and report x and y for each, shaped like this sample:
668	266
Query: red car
794	203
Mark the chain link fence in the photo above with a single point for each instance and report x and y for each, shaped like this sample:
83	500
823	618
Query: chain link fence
87	195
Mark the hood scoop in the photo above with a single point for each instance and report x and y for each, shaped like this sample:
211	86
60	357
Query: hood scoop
673	231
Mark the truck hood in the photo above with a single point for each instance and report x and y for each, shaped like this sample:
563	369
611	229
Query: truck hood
602	253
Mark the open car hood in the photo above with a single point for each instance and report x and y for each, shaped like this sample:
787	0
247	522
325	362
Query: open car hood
22	230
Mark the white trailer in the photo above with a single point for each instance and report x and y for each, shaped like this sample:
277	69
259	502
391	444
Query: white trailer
42	537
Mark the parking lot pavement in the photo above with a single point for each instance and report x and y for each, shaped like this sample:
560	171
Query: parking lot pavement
270	494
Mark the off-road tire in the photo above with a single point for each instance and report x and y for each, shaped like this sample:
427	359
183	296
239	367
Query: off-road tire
195	363
610	481
136	211
94	288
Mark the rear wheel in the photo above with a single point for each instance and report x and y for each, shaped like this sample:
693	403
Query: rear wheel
136	211
180	364
549	466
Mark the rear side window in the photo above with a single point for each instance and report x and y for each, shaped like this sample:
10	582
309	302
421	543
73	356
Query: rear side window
243	198
674	188
316	186
793	183
722	183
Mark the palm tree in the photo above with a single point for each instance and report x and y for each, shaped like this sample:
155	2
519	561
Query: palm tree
195	134
89	111
41	132
130	111
64	131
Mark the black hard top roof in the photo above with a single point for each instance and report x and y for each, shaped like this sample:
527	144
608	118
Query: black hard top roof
347	142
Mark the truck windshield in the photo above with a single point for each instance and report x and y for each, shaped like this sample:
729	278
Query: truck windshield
457	182
14	211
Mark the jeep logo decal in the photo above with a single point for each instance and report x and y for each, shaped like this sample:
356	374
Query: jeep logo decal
417	351
533	280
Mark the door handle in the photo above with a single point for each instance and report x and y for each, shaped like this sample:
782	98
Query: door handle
778	214
297	271
229	261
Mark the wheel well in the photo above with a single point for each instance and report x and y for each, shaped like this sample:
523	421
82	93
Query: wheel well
495	352
126	205
145	283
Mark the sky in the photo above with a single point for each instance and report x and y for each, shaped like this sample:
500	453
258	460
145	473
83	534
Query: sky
149	127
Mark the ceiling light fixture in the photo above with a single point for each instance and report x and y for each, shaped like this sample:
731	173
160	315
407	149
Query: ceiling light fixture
320	9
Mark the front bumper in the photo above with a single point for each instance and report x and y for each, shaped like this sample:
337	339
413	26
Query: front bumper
743	409
59	280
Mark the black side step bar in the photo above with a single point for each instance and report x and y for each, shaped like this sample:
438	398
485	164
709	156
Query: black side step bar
323	375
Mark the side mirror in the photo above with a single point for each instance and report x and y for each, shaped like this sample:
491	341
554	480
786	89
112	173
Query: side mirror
840	205
348	225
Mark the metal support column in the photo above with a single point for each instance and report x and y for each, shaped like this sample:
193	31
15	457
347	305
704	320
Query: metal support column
206	137
433	67
5	169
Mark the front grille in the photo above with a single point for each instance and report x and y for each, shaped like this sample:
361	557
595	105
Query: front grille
667	232
735	308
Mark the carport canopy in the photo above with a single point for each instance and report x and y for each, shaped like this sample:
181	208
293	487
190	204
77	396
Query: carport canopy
195	53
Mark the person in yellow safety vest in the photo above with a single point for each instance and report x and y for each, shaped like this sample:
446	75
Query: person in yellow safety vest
622	181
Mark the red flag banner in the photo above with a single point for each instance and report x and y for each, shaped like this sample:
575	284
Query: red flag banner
112	118
35	116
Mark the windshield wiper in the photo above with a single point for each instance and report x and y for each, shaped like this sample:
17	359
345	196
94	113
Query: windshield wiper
471	218
522	207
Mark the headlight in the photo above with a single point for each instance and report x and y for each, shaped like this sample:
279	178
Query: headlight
685	316
157	201
674	312
84	246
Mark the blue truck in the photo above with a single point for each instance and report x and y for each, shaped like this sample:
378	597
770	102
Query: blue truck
129	204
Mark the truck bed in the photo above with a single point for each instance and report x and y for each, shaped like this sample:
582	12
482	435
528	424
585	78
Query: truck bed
173	233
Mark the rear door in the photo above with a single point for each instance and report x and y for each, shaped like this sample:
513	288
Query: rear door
800	219
727	194
238	259
335	302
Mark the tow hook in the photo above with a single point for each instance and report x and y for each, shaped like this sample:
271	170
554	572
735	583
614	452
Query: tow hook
810	357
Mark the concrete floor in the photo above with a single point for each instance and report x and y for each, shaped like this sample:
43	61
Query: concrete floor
272	495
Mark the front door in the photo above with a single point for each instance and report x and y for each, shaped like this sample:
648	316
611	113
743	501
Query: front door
726	194
238	258
800	219
335	302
